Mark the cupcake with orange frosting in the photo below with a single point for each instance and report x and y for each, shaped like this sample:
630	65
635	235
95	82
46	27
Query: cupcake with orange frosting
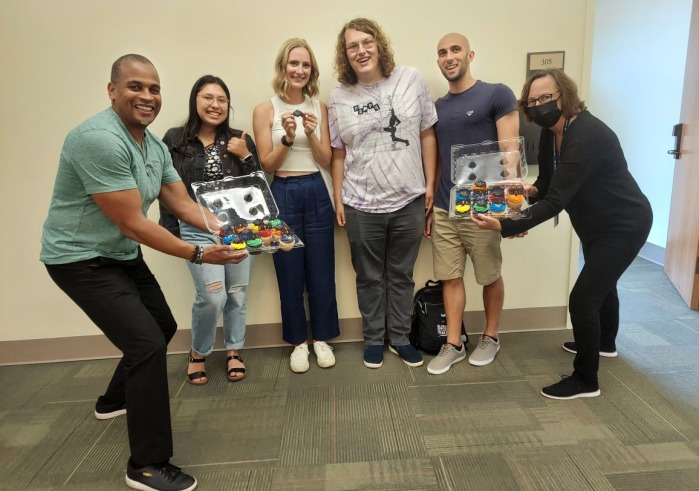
480	186
515	198
276	236
239	226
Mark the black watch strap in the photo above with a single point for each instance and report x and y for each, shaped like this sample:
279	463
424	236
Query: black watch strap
286	142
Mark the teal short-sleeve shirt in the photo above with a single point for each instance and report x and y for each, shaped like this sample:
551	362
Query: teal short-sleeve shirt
100	156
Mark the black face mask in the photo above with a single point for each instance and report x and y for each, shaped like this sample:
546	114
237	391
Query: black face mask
545	115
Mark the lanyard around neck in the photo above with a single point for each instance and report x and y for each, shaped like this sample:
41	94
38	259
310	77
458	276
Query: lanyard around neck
557	159
556	153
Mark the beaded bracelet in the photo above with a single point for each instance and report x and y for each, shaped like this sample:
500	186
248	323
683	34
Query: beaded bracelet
197	255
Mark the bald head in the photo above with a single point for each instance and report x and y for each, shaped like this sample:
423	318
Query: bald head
454	38
454	56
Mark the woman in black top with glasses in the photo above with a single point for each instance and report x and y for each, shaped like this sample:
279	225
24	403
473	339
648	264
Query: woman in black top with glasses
582	171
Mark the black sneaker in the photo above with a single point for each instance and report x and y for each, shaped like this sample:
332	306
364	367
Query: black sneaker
570	388
408	354
109	411
373	356
570	347
159	477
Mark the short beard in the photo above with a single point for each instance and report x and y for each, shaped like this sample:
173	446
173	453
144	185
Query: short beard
459	75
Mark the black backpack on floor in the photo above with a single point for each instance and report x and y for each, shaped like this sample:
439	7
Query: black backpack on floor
429	321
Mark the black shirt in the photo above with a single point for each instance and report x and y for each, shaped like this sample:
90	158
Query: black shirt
591	182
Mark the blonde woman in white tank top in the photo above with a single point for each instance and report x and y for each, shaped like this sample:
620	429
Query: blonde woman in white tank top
293	143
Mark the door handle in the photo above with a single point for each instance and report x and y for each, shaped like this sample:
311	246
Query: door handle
677	133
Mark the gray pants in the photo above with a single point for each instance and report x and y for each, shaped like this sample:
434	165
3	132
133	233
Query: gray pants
384	249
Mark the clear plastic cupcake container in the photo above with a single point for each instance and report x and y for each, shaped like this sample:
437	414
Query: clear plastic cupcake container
489	180
241	212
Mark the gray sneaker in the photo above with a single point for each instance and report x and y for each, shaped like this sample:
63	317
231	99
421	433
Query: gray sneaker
448	355
485	352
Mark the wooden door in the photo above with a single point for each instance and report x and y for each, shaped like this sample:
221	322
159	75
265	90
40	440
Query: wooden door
682	250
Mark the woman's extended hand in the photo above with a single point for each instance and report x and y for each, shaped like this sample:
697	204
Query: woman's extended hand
530	191
238	146
222	254
486	222
289	125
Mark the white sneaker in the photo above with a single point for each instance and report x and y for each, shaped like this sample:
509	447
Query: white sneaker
324	353
299	359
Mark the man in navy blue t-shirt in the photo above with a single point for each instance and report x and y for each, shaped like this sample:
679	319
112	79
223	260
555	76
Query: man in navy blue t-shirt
471	112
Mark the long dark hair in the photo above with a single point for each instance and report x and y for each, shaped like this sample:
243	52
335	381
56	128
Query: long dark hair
193	123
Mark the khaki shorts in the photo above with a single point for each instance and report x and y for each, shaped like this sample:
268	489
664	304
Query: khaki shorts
453	240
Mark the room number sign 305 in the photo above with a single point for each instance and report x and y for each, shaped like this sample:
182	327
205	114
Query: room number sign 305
543	60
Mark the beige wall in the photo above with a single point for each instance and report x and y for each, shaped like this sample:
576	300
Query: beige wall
56	56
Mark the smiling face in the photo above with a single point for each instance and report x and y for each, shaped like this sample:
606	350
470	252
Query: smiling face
298	68
454	56
363	55
212	105
136	96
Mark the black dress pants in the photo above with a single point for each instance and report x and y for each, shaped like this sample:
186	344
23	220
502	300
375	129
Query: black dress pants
594	303
126	303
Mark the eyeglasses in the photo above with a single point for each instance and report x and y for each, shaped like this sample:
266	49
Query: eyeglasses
542	99
209	99
367	43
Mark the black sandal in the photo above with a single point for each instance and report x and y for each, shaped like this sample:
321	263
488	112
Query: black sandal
235	373
196	377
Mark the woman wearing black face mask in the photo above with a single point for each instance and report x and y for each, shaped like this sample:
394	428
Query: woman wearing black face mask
582	170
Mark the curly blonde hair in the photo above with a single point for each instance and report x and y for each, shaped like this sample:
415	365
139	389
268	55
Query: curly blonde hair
343	69
280	84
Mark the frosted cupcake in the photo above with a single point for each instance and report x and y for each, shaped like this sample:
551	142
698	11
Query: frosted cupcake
240	226
515	198
254	244
480	203
238	245
462	208
266	235
497	200
286	242
480	186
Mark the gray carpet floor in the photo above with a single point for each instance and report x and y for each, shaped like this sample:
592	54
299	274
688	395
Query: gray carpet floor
397	428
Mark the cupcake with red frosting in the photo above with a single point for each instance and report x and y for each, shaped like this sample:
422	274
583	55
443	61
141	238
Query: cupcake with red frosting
267	236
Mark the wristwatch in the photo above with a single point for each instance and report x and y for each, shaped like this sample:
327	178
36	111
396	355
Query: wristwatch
247	159
286	142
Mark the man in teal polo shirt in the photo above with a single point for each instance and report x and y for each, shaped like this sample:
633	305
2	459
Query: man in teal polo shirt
111	169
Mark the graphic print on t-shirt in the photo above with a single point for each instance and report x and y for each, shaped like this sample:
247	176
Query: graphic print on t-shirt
381	126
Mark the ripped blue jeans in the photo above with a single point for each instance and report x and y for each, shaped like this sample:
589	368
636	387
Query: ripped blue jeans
220	289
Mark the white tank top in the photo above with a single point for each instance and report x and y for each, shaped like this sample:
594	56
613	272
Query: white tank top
299	158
